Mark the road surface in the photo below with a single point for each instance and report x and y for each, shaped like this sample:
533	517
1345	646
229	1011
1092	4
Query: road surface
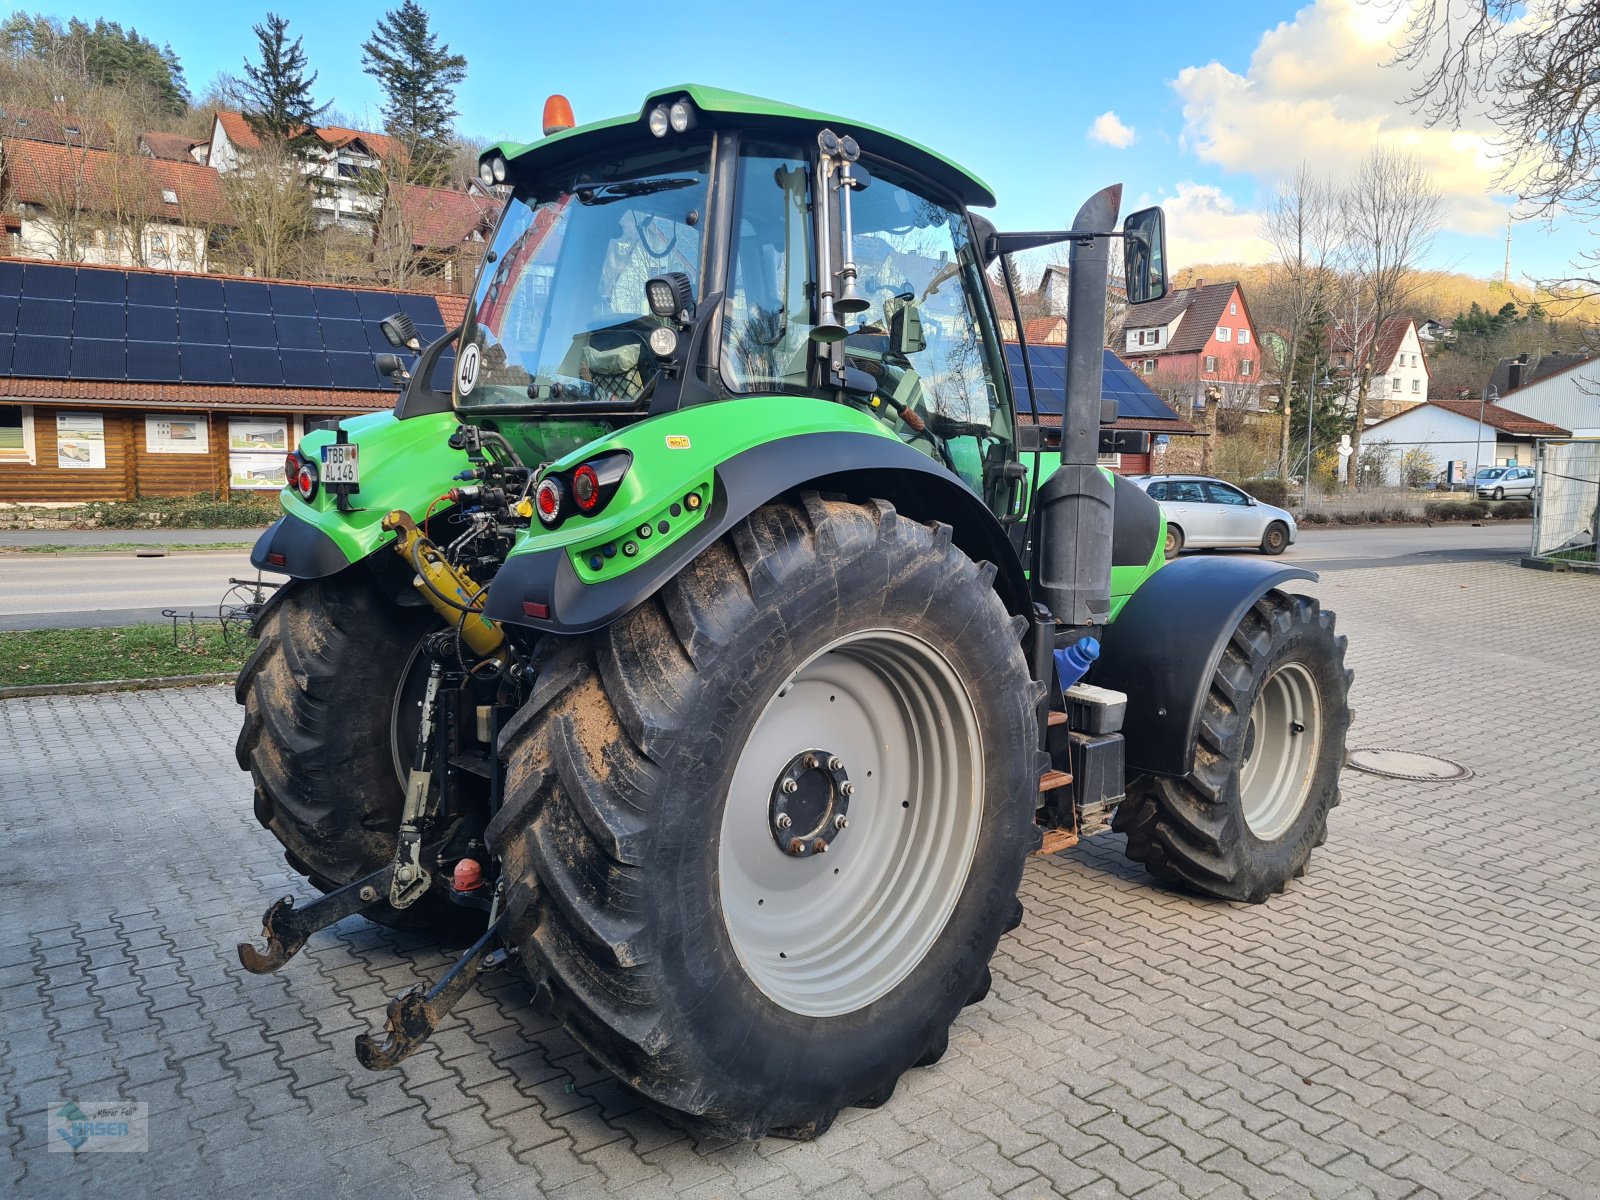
144	537
48	591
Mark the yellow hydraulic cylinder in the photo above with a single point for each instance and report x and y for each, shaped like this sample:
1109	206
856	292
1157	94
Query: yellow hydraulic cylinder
448	588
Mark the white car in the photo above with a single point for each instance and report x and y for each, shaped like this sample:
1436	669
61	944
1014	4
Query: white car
1497	483
1203	513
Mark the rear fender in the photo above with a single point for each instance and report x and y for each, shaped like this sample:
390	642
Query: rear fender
1165	645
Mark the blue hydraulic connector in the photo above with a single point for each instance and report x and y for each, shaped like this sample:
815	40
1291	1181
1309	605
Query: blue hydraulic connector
1077	658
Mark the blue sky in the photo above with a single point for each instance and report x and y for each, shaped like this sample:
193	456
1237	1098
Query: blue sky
1219	99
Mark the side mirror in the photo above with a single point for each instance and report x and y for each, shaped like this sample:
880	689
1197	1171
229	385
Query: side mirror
390	366
905	325
1144	255
400	332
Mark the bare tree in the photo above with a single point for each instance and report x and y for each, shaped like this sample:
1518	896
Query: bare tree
1303	225
1390	212
1533	68
270	204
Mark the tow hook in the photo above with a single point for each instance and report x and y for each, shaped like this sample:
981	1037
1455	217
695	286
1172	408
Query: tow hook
414	1015
286	927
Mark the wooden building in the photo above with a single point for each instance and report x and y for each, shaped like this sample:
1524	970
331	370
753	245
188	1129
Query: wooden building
116	384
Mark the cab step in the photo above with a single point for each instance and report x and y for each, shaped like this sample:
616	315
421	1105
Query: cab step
1057	717
1050	780
1057	840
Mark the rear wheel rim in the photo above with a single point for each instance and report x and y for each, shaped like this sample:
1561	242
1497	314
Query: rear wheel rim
829	933
1282	743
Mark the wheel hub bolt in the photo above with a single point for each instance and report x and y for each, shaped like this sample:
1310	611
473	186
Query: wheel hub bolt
841	822
796	846
820	846
784	820
836	763
849	789
1297	727
811	762
790	787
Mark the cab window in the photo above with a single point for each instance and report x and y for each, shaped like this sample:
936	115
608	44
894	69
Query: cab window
766	326
927	335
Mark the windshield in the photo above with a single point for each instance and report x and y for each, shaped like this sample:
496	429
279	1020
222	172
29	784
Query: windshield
1491	473
559	313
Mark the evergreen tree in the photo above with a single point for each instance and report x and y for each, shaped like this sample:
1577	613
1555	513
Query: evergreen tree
418	75
277	91
106	53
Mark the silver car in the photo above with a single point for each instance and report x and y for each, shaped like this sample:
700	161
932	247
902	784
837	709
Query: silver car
1202	513
1497	483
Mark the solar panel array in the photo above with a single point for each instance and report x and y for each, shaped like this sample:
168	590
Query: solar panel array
1117	382
61	322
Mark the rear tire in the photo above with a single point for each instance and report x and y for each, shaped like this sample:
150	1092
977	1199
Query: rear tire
1246	818
1174	542
1276	539
649	892
319	695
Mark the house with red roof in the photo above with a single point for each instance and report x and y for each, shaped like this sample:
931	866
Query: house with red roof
339	162
80	204
446	230
1197	346
1459	434
1400	371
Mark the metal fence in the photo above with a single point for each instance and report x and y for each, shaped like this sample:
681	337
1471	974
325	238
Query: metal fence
1566	519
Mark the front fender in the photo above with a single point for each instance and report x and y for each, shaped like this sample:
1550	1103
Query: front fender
1164	647
548	585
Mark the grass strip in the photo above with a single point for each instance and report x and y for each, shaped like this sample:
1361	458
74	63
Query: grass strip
36	656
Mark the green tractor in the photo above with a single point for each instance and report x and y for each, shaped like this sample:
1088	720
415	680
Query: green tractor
712	651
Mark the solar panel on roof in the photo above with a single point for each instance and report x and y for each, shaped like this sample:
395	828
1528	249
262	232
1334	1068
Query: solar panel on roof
202	325
247	295
196	291
421	309
298	333
353	370
1117	382
257	366
289	300
99	320
48	283
251	329
99	358
10	279
158	290
375	306
8	314
345	335
103	287
331	303
49	317
6	344
41	357
205	364
149	324
153	362
305	368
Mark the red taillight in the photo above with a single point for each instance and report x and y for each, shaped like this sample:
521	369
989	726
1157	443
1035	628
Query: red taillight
305	481
291	465
586	488
547	499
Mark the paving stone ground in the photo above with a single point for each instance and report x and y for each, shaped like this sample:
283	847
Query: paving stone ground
1418	1017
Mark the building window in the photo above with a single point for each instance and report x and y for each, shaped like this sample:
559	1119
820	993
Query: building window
1149	366
1233	308
1211	363
1244	337
1416	385
1244	367
1224	334
158	243
1109	460
1149	337
16	434
1397	383
168	196
348	170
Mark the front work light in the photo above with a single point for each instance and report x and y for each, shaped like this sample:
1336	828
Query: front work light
669	294
660	121
497	167
681	115
486	173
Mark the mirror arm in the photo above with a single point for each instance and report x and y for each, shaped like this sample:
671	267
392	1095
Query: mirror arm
997	244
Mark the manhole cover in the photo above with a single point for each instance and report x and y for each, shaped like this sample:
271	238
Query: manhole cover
1406	764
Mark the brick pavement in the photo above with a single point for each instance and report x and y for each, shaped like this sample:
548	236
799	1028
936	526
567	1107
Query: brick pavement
1418	1017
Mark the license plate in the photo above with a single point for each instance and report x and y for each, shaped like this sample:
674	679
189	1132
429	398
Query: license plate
339	463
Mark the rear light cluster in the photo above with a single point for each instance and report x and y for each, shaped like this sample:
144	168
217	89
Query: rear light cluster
301	474
584	490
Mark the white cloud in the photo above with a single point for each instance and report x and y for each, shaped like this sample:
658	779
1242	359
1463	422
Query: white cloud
1205	225
1109	130
1318	91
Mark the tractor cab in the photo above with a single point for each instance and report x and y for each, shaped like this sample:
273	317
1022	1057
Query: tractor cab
682	258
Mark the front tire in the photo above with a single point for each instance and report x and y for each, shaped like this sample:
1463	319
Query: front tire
1276	539
1270	747
748	988
1499	493
1174	541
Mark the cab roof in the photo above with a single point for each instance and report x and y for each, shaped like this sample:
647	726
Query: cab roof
720	108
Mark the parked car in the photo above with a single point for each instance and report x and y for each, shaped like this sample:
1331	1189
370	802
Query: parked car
1203	513
1496	483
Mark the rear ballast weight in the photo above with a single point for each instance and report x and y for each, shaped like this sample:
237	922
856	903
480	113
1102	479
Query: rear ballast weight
710	680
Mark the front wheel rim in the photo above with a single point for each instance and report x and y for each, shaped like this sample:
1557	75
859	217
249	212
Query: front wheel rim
1283	738
824	934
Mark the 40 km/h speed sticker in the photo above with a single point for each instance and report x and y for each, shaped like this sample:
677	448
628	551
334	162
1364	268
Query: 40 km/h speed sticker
467	369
